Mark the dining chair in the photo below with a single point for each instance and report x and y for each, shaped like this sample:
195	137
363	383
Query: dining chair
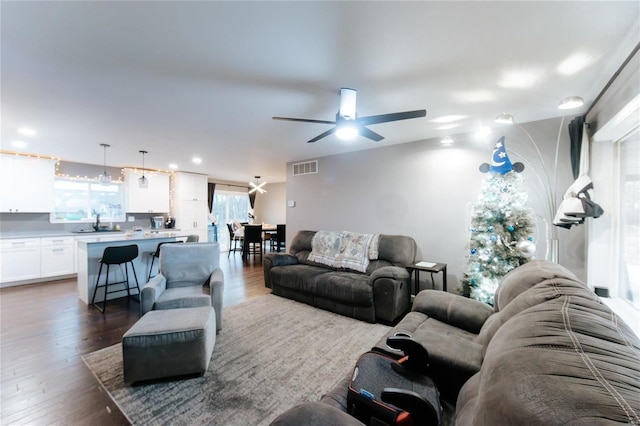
234	240
252	240
280	237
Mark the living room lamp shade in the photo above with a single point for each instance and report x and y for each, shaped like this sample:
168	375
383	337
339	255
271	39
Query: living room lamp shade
143	182
257	187
105	178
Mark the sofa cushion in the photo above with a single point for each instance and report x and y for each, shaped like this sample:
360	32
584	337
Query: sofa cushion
297	277
448	346
539	293
524	277
399	250
564	361
347	287
183	297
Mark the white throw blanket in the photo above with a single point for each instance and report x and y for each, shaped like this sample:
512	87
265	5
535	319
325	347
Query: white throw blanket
344	249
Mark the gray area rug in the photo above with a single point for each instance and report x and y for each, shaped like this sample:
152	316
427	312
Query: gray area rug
271	354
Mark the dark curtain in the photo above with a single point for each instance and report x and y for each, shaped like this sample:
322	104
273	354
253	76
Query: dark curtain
575	135
252	199
211	190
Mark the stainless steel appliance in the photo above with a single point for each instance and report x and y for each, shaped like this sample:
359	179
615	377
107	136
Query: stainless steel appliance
157	222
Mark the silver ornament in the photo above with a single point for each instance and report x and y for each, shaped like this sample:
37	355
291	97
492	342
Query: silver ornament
526	248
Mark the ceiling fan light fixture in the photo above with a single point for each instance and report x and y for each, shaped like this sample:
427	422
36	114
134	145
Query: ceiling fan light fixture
347	104
143	182
504	118
571	102
104	178
347	131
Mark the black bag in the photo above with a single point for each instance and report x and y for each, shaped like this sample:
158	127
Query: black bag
386	391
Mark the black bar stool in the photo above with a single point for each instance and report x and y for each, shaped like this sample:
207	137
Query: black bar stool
116	256
156	254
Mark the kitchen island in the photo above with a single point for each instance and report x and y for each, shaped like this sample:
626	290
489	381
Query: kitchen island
91	248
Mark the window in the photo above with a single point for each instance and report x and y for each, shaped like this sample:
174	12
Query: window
229	206
629	219
81	200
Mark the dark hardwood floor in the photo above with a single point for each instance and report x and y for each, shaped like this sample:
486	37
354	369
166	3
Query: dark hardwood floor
45	329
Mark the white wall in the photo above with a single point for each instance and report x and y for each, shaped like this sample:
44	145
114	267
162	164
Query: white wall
271	207
425	190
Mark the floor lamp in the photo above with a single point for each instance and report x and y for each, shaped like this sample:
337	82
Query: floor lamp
547	183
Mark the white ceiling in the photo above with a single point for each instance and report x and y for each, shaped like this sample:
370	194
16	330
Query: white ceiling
180	79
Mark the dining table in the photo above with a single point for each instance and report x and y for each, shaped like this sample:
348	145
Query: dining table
266	229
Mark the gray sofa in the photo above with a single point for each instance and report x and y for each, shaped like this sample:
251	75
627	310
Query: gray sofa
549	353
381	294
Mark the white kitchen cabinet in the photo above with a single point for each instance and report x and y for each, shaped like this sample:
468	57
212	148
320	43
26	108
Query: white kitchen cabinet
19	259
57	256
192	217
189	187
153	199
190	205
26	184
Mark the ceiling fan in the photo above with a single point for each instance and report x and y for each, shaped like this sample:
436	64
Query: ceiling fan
348	125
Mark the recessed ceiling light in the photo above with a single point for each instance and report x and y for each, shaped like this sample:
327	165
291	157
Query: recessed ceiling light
474	96
19	144
196	160
519	79
447	127
448	118
173	166
504	118
575	63
446	141
483	132
27	131
571	102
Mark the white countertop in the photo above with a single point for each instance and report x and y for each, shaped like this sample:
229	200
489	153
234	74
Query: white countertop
83	235
127	236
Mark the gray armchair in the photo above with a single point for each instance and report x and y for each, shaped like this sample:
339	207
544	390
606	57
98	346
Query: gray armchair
189	276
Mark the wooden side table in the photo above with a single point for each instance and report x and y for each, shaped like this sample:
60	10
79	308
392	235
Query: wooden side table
437	268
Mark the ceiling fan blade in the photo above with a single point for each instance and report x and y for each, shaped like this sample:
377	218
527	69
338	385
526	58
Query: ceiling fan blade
395	116
370	134
304	120
323	135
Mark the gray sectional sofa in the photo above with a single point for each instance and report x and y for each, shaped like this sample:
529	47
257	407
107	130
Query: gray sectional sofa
549	353
381	294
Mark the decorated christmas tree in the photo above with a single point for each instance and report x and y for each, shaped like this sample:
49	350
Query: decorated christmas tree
501	225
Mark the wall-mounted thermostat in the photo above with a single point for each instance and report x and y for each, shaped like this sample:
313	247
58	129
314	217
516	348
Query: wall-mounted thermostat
291	203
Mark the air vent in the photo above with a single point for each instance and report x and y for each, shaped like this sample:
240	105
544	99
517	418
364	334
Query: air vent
306	168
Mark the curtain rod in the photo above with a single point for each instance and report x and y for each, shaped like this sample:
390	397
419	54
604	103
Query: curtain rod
612	79
230	184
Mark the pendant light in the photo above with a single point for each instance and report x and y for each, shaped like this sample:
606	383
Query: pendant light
143	182
105	178
255	187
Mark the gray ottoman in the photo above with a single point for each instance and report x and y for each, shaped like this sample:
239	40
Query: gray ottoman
171	342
